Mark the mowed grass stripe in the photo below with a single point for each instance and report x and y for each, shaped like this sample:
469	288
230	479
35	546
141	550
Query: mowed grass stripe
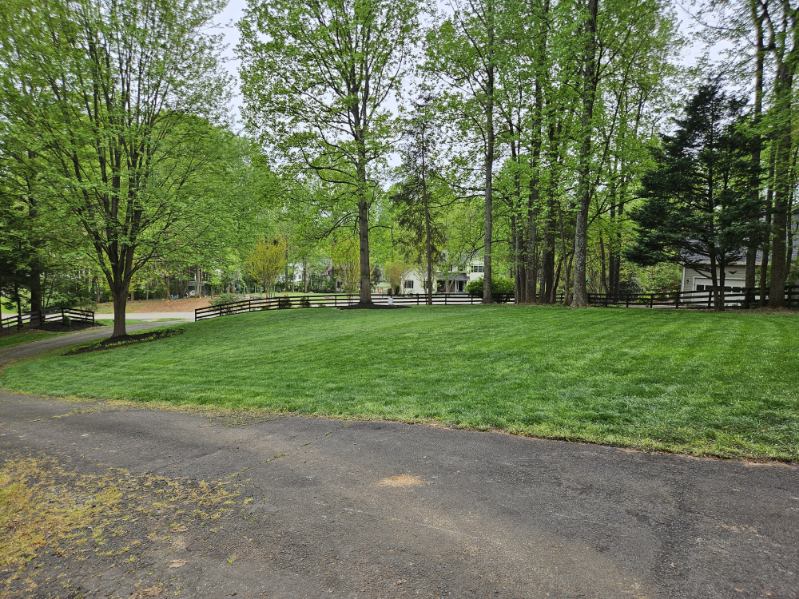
696	382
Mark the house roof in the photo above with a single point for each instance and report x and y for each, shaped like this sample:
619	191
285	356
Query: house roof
698	260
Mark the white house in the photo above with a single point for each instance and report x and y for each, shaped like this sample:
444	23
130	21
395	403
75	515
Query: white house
445	282
699	278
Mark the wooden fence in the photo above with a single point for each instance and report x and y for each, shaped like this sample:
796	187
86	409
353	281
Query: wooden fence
39	319
746	298
337	300
750	298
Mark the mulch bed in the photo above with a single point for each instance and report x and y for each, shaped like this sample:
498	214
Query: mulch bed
114	342
73	326
370	307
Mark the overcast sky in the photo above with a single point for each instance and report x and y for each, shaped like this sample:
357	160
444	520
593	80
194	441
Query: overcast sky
235	9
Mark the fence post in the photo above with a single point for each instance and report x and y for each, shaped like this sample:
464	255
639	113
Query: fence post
710	298
417	299
677	300
651	300
445	299
789	297
627	300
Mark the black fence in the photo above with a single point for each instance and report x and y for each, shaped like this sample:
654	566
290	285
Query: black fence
747	298
338	300
62	316
705	299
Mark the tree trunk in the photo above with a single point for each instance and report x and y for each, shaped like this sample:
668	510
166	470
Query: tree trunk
567	281
37	305
766	248
428	225
614	251
19	306
120	298
757	110
782	187
365	291
580	297
603	276
197	282
489	157
550	279
516	266
783	97
286	270
534	196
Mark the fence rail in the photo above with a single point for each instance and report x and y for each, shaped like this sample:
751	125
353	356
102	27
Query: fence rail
336	300
706	299
748	298
38	319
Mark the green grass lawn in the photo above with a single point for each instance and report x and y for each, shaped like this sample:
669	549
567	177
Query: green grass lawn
703	383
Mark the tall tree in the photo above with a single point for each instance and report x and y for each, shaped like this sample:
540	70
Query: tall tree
416	208
317	79
266	261
782	21
589	89
770	65
108	87
463	52
697	198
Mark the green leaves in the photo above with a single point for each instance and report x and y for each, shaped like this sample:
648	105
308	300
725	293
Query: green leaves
697	196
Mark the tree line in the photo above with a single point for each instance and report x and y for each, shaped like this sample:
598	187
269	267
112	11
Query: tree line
561	142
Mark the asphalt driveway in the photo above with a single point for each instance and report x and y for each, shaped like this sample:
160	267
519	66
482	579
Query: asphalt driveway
329	508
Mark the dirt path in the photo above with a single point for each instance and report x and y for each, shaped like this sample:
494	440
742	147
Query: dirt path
153	316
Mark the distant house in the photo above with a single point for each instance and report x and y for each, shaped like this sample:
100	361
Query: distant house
445	282
699	277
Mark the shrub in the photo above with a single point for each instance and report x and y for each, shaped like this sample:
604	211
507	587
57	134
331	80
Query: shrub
226	298
501	288
283	303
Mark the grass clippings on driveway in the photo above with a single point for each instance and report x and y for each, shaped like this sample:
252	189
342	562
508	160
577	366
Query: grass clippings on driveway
53	519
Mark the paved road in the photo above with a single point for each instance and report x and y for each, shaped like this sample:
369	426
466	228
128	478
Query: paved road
353	509
185	316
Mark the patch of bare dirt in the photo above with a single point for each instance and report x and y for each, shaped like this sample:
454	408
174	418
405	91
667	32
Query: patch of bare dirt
179	305
400	481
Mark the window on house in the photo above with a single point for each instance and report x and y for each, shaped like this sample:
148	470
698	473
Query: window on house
408	284
477	268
